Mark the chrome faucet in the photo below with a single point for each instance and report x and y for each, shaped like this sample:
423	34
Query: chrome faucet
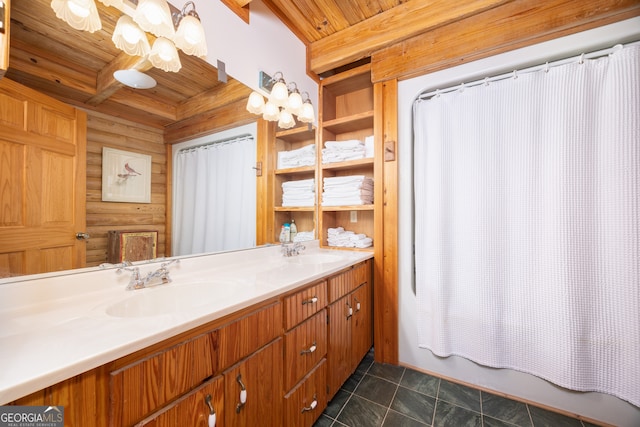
289	249
138	282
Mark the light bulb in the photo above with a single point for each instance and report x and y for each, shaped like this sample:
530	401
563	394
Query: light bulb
79	8
294	104
307	115
271	112
286	120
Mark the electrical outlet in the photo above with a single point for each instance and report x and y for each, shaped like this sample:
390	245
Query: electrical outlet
354	216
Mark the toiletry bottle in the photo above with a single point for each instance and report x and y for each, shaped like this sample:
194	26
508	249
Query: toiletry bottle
293	230
287	232
282	234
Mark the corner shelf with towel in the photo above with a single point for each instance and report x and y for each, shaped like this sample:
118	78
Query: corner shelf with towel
346	160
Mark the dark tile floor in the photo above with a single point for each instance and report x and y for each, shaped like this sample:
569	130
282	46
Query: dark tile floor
386	395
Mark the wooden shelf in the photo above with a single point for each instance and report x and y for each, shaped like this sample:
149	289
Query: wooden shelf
346	208
350	123
297	134
294	208
293	171
350	164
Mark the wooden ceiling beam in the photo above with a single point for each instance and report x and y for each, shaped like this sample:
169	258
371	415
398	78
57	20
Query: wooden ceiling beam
107	85
214	98
511	26
390	27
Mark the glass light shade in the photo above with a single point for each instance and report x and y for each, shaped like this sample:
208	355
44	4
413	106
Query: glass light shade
294	104
255	103
128	37
154	16
279	94
164	55
307	115
115	3
286	120
271	112
79	14
190	37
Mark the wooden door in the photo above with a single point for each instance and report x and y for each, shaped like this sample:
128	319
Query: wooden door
338	344
260	375
42	182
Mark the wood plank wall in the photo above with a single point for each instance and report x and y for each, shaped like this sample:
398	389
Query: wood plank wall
108	131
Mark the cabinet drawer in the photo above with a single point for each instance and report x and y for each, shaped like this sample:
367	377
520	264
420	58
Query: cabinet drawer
304	303
143	387
304	346
299	408
246	335
192	409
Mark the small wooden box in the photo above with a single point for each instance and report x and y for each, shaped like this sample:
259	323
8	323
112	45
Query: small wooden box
131	245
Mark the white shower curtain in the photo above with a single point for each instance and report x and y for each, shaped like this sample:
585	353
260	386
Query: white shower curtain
215	197
527	213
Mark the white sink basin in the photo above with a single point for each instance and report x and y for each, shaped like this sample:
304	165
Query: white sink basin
314	259
168	299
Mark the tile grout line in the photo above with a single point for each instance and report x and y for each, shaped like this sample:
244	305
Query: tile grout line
435	405
351	393
394	396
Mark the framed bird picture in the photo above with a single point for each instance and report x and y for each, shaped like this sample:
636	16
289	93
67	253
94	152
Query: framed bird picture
126	176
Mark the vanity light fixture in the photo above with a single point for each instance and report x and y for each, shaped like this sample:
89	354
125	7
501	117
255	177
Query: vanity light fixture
80	14
154	16
164	55
128	37
190	36
283	102
181	29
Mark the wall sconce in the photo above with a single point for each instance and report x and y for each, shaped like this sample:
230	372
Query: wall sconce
181	29
80	14
283	102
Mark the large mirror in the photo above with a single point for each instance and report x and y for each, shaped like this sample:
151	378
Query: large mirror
193	106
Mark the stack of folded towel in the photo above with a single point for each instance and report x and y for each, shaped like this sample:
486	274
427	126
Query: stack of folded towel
299	193
305	156
304	236
347	239
340	151
347	191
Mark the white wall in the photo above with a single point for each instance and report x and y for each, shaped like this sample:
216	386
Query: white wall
265	44
593	405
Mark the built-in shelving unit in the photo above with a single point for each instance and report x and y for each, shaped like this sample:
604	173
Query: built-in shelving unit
346	113
304	216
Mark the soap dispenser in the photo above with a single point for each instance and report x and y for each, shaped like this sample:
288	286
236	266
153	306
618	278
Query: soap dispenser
293	230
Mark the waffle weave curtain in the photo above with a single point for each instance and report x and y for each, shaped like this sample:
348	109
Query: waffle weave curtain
527	223
215	197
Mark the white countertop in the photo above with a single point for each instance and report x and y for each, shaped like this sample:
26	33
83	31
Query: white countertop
53	328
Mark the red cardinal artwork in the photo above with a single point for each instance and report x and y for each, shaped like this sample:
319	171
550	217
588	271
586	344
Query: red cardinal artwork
129	172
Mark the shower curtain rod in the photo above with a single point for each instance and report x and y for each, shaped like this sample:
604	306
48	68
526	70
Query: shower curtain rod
515	73
220	141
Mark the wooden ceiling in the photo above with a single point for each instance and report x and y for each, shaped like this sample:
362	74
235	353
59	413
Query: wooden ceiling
77	67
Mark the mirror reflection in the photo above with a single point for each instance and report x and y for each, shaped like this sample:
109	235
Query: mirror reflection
52	157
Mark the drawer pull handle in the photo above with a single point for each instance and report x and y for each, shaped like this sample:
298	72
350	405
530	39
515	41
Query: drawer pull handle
311	406
311	300
243	394
357	304
310	349
212	412
349	311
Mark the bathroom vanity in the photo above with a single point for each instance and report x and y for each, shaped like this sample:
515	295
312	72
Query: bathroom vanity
248	337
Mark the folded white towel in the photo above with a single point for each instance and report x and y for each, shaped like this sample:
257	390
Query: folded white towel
342	145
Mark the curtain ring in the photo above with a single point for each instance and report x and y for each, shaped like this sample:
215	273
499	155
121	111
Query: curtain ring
486	81
546	67
515	74
581	61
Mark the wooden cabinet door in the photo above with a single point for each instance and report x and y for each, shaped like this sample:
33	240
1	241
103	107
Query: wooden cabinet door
260	375
305	403
193	409
361	323
339	344
42	182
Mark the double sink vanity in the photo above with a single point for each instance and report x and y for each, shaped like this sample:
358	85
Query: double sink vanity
249	337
